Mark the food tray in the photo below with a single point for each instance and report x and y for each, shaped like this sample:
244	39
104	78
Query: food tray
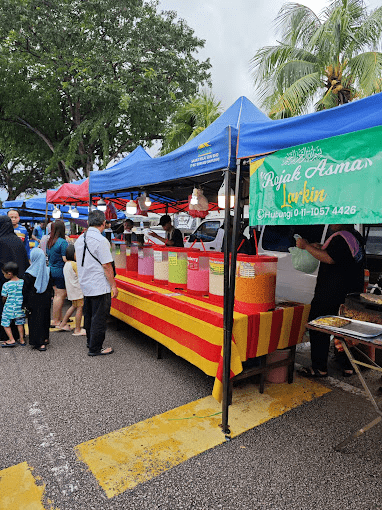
359	329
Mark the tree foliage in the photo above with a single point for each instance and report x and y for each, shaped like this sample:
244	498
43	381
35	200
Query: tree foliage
324	60
91	79
190	119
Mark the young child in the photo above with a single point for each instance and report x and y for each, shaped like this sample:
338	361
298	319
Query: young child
12	295
74	293
37	293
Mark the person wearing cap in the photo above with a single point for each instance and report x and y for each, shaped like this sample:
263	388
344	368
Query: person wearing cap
173	237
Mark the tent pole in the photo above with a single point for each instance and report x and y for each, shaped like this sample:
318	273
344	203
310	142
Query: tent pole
46	216
226	339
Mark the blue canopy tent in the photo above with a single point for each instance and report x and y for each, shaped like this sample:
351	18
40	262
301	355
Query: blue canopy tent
38	206
199	162
257	139
208	153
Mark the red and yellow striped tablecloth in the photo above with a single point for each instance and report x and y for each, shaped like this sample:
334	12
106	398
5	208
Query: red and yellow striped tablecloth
193	328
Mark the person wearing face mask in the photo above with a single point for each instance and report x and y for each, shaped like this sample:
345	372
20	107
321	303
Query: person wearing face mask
342	262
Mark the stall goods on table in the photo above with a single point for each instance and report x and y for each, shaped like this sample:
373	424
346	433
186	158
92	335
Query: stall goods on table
193	327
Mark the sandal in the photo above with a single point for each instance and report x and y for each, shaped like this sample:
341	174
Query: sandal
7	344
312	373
103	352
348	373
42	348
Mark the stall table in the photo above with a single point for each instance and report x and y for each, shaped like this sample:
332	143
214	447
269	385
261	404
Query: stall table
192	327
375	342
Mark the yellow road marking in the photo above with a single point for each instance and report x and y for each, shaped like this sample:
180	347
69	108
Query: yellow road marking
19	490
127	457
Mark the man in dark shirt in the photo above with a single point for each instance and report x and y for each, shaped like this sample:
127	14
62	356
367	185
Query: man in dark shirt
173	237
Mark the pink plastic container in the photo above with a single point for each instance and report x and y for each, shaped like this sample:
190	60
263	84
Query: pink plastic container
146	262
198	272
280	374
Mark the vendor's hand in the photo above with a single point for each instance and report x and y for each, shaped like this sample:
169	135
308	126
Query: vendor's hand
153	234
301	243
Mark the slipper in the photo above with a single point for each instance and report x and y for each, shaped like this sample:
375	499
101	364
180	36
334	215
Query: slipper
101	353
65	328
307	372
9	345
42	348
81	333
347	374
22	345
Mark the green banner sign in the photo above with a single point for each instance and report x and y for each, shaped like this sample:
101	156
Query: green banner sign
335	180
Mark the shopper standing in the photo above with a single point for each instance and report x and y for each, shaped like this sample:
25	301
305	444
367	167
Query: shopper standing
96	277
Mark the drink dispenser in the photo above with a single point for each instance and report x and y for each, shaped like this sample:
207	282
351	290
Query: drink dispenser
216	278
177	267
132	260
161	264
198	272
119	256
146	262
255	283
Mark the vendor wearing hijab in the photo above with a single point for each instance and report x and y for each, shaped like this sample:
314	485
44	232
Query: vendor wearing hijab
342	262
37	294
11	250
173	237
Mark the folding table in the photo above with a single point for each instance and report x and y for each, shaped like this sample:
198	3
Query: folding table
375	342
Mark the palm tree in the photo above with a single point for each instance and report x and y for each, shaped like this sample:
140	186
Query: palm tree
190	119
324	60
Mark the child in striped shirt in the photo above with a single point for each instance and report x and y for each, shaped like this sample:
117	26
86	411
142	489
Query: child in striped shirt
12	296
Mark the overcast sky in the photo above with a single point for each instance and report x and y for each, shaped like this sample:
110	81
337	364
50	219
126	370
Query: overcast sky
234	30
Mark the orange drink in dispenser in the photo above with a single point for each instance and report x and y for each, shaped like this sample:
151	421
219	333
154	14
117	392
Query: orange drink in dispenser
255	283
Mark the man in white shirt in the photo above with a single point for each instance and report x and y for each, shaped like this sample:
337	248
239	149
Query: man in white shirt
96	277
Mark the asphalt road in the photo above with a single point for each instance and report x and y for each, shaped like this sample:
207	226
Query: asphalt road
53	401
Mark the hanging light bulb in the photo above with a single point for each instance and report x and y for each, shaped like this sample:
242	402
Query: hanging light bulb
56	212
131	207
221	197
147	201
194	197
74	212
101	205
70	210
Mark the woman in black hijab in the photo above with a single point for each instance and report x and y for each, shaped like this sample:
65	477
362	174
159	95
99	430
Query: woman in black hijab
11	250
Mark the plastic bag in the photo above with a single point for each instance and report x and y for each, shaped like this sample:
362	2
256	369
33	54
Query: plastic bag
303	261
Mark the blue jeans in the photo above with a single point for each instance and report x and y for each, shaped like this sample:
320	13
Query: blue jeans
96	313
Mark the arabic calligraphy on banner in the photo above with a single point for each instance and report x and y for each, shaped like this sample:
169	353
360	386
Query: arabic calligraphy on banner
335	180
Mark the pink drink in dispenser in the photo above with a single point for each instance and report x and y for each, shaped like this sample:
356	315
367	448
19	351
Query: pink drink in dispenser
161	264
146	262
198	272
